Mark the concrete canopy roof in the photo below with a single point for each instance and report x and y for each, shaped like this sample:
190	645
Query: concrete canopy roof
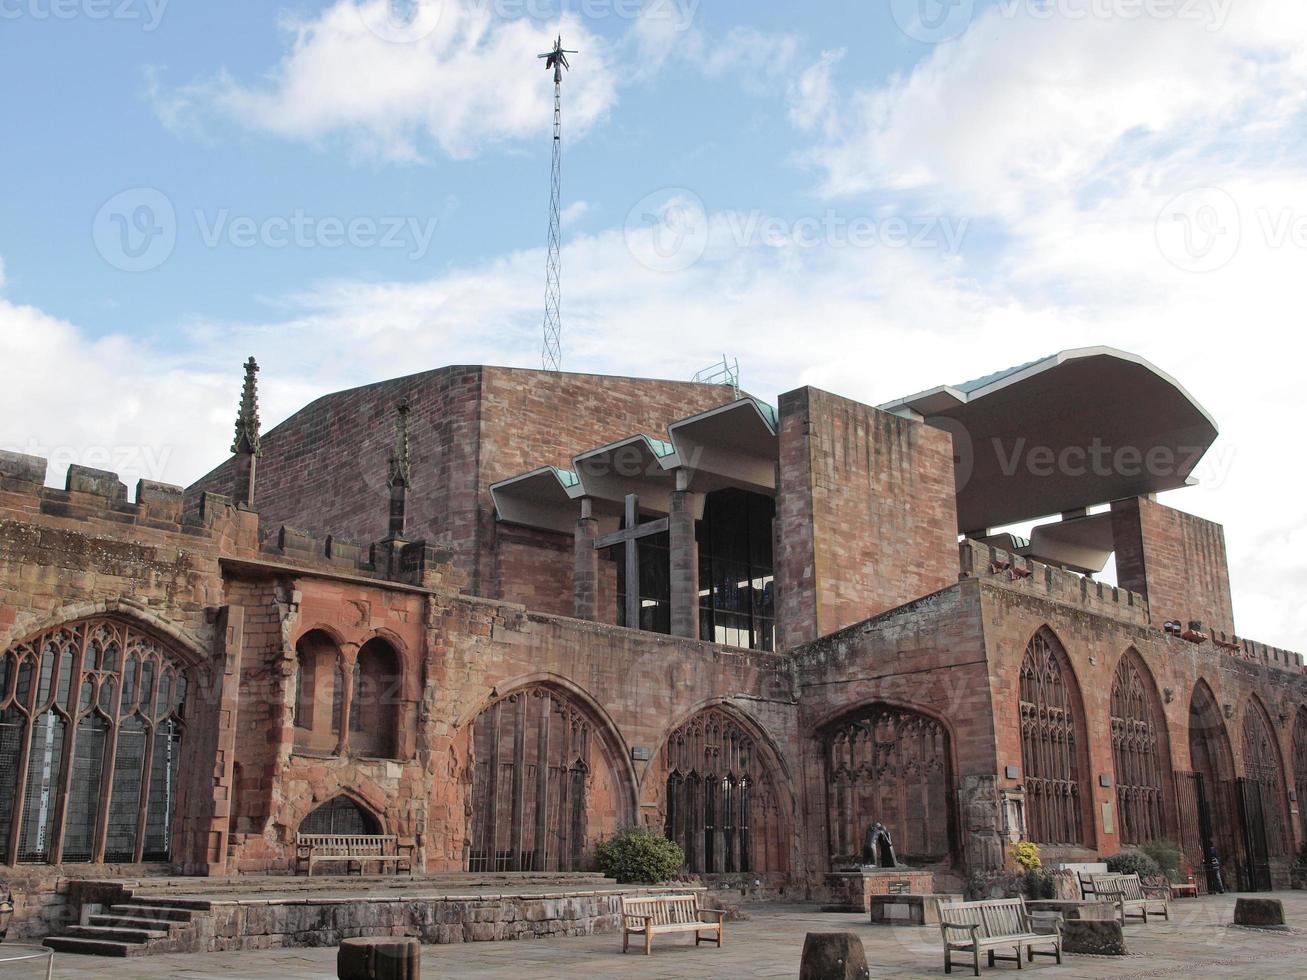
734	445
1079	428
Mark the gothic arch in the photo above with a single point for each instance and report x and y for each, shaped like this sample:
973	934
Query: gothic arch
547	778
344	813
723	792
317	703
893	763
1053	743
1211	757
360	790
1263	766
182	642
92	717
1300	767
376	699
1141	754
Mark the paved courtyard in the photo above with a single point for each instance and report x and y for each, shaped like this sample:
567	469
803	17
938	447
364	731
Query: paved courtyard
1197	942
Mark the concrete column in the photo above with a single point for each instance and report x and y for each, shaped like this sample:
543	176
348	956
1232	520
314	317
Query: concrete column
585	577
684	561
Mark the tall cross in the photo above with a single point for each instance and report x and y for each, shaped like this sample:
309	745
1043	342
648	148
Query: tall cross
630	536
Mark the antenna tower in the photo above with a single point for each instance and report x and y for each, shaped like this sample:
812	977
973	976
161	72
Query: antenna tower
552	355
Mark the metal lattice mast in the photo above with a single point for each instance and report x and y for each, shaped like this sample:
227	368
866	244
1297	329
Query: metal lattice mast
552	355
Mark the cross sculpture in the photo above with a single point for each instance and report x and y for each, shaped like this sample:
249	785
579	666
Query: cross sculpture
630	536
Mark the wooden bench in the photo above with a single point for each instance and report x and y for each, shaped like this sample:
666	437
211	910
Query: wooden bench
653	915
1131	897
310	849
997	924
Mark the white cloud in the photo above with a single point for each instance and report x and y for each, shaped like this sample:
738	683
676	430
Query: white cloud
812	99
471	81
574	212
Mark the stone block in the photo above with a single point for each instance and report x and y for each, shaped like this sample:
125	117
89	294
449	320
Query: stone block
833	956
379	959
917	910
1260	912
1095	936
17	466
102	483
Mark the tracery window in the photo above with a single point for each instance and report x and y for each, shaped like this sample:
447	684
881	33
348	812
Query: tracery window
890	765
91	724
340	815
1050	744
1138	744
721	803
1261	764
539	776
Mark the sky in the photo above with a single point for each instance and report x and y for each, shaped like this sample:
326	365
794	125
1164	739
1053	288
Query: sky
870	196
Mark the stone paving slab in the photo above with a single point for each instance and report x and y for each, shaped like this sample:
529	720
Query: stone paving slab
1198	942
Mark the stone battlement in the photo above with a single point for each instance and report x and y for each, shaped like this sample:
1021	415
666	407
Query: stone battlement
1259	652
99	498
982	561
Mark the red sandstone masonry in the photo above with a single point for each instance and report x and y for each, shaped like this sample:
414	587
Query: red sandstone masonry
867	513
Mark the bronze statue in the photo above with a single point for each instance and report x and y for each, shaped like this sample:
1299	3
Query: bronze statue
878	848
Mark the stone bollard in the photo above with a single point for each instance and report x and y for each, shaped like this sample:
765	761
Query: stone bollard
833	956
1100	937
1261	912
381	958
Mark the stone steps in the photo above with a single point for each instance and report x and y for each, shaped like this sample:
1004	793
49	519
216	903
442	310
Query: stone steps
94	947
133	928
116	933
147	910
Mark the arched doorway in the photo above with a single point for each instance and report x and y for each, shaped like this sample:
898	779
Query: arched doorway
1209	816
1052	743
892	765
721	797
1140	752
1264	810
92	716
340	815
1300	767
544	783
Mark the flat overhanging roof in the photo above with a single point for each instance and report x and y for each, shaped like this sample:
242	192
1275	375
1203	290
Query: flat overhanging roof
1070	431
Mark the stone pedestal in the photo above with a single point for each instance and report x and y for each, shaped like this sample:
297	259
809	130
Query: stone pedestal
852	891
915	910
1095	936
1265	913
833	956
379	959
1046	914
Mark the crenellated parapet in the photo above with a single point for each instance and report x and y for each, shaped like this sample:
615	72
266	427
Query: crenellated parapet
982	561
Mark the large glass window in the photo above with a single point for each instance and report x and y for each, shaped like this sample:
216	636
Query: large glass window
737	598
655	582
91	723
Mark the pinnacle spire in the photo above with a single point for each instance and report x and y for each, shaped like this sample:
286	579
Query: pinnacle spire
399	459
247	439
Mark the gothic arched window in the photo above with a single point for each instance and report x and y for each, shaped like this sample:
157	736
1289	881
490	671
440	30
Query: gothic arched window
1261	765
1138	751
893	766
541	775
375	701
1050	743
721	798
91	723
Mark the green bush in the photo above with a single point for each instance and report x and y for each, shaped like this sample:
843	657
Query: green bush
1167	855
637	854
1040	884
1133	863
1025	855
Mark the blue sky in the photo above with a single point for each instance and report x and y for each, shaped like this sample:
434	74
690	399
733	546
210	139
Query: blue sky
872	197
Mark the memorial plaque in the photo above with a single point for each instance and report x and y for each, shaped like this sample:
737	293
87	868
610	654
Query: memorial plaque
900	888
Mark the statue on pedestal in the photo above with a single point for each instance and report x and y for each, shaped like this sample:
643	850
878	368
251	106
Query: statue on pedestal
878	848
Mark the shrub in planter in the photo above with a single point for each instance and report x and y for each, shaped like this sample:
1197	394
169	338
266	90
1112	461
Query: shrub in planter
1167	855
1133	863
1040	884
637	854
1025	855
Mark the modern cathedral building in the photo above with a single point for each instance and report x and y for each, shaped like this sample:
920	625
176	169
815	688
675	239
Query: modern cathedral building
502	613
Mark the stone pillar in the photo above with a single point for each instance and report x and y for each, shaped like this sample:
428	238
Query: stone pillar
585	577
684	560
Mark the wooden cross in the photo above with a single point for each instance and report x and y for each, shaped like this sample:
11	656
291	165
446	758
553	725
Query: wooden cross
630	536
